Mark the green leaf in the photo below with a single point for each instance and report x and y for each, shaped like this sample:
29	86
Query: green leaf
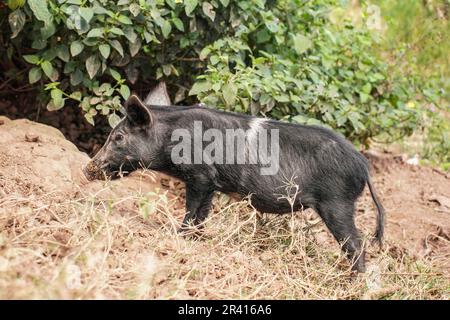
156	15
39	44
301	43
167	69
47	68
105	50
40	10
14	4
89	118
57	97
115	74
214	60
76	48
76	77
85	105
104	109
76	95
184	42
130	34
116	45
178	24
48	30
79	24
367	88
172	3
117	31
272	25
95	100
124	91
229	93
76	2
49	54
113	120
364	97
166	28
225	3
31	58
90	42
282	98
95	33
314	122
124	19
135	47
55	75
106	89
300	119
92	65
51	85
263	36
135	9
63	53
180	95
204	53
16	21
51	106
199	87
190	5
159	73
34	75
87	13
208	10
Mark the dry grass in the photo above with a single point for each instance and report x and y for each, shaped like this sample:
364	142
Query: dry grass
92	248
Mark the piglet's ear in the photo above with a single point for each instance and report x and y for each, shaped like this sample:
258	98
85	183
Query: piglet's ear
137	112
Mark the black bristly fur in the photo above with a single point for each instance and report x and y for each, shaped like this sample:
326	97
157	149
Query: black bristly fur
329	172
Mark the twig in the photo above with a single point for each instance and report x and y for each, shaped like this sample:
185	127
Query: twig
189	59
411	274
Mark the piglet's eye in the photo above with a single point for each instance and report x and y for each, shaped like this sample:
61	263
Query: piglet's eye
118	137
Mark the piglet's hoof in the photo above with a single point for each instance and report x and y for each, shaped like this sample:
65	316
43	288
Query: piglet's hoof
190	232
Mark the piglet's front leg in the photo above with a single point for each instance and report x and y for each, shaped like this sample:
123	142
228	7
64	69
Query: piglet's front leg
198	206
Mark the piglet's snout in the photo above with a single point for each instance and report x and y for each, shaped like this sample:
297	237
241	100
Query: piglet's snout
93	170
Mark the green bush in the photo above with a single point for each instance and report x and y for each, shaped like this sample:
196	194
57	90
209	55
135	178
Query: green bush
437	142
299	61
416	38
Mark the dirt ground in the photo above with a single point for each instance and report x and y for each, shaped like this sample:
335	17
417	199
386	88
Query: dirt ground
417	202
64	237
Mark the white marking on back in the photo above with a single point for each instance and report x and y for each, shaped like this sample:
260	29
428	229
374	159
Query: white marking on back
252	139
255	125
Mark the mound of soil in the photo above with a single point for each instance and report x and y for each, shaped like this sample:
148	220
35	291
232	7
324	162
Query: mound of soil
37	159
70	121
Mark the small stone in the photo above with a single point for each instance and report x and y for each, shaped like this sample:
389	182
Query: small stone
29	137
